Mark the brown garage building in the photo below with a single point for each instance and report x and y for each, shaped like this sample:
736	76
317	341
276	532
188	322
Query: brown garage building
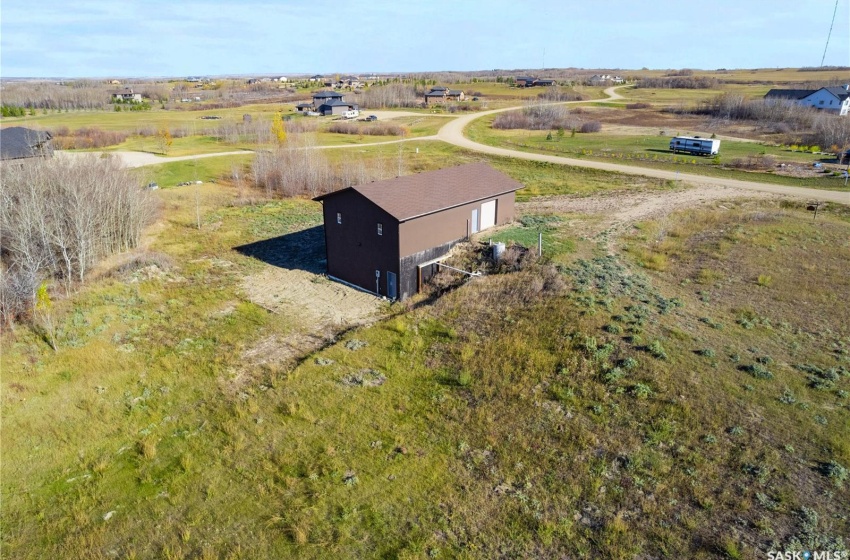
379	235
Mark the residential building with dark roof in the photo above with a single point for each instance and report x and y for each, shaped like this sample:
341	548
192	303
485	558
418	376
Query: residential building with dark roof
441	94
834	99
385	236
18	143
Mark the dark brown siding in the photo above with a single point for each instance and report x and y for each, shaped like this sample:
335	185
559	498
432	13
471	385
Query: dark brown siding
449	225
354	248
430	237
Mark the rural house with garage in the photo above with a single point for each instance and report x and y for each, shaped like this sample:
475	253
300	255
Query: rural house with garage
126	95
831	99
327	103
385	236
441	94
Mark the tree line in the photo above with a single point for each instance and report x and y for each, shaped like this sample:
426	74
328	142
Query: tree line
60	216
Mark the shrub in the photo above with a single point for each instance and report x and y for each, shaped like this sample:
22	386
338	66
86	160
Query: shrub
536	117
787	397
657	350
758	371
591	126
371	129
638	106
642	390
764	280
834	471
86	138
614	375
629	363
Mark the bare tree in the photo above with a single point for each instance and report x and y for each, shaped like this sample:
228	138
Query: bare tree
58	217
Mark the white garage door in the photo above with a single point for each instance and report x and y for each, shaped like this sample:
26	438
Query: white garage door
488	214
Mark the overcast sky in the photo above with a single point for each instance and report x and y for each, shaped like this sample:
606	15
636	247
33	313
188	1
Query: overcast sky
128	38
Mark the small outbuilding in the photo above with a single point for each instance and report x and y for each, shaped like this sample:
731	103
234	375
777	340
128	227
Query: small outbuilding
383	236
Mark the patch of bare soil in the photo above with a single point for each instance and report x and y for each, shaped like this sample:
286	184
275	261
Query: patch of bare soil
292	284
312	299
620	210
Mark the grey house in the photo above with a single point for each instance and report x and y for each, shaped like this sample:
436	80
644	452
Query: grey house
384	236
18	142
326	103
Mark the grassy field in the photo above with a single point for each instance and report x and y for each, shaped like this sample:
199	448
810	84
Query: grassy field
156	118
543	412
681	389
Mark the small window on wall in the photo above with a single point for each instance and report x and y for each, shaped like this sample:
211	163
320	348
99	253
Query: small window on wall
380	229
339	217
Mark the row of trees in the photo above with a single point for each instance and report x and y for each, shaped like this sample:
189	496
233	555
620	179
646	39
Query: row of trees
679	82
58	217
296	169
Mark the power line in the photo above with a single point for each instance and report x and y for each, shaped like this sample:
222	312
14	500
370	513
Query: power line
835	11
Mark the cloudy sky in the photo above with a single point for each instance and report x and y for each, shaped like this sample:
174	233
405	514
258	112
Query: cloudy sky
129	38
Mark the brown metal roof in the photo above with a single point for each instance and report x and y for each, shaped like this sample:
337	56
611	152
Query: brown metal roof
416	195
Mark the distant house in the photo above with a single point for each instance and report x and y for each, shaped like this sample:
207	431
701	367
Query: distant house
126	95
442	94
831	99
604	79
316	78
529	81
385	237
17	143
327	103
336	107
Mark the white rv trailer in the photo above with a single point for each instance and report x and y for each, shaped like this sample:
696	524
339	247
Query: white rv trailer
695	145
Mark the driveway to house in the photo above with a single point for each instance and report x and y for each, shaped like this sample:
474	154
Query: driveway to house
452	132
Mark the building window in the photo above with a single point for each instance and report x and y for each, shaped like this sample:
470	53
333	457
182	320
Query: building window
380	229
821	101
339	217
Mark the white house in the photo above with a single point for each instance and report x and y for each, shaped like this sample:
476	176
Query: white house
832	99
